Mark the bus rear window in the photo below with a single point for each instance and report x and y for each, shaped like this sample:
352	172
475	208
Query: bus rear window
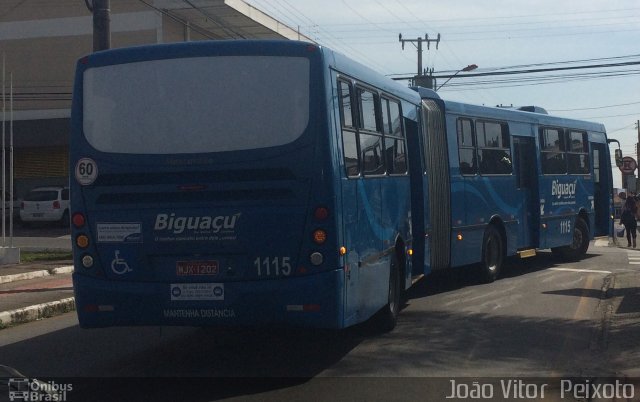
194	105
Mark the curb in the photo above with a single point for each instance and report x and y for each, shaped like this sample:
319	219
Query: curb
604	242
37	312
36	274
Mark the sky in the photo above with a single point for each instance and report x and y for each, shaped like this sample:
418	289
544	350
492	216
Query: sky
496	35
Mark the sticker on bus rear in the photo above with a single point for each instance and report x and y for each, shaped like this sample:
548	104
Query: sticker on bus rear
86	171
119	232
197	291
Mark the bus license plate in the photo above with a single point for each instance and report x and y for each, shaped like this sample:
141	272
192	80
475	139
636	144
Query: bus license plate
197	268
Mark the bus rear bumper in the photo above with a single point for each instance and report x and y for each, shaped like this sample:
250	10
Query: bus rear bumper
309	301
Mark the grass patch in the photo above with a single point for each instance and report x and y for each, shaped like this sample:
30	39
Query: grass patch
31	256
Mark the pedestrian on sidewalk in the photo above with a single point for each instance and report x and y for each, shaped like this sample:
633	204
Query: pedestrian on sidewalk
628	219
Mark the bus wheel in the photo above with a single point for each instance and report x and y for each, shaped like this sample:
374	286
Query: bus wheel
492	255
387	318
578	247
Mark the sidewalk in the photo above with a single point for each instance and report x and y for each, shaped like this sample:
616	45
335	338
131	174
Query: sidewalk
620	313
32	291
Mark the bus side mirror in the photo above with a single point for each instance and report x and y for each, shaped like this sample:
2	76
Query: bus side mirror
618	153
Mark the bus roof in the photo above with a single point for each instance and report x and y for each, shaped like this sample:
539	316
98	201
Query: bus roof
511	114
197	49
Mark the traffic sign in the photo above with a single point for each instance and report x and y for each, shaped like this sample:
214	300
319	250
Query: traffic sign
629	165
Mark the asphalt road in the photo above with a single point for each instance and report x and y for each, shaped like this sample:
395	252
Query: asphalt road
47	236
39	230
541	319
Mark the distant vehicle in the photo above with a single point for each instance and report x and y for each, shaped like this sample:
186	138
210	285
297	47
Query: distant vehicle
46	204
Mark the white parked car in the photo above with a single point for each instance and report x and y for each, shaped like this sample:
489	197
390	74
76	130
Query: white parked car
46	204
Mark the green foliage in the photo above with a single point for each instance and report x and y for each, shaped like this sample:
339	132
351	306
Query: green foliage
31	256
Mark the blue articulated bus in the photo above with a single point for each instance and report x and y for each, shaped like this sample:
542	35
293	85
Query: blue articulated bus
491	182
239	183
251	183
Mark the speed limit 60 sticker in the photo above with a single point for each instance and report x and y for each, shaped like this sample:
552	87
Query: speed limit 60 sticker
86	171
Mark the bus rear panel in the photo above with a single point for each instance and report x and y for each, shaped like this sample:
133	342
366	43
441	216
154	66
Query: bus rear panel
200	194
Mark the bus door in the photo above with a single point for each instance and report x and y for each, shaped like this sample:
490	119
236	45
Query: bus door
601	188
527	184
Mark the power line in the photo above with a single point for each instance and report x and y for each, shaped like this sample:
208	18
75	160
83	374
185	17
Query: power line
370	28
463	81
194	27
554	63
458	21
228	30
544	70
327	39
593	108
525	81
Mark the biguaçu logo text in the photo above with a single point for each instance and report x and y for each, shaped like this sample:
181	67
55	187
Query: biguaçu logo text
178	224
563	189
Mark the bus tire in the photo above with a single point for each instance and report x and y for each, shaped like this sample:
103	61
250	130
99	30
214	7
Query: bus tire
492	255
387	318
578	247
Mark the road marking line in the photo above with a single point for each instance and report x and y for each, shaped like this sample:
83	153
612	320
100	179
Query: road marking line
595	271
583	312
634	258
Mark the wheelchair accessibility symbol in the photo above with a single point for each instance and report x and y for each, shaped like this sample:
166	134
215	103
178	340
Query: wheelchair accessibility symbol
119	265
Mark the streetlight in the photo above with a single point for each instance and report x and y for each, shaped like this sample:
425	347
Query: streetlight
468	68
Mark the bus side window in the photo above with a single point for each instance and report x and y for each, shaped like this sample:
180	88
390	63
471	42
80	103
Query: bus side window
494	149
372	162
553	151
596	166
369	133
367	110
466	147
395	150
578	153
349	133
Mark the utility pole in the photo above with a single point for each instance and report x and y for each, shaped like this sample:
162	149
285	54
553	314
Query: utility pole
420	78
637	180
638	144
101	10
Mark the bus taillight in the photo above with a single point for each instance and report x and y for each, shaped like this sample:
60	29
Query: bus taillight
87	261
78	220
319	236
321	213
316	259
82	241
